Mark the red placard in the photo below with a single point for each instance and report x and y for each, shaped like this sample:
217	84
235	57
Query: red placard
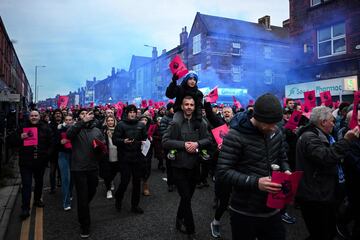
68	144
310	98
213	95
289	185
294	120
178	67
144	103
32	139
219	133
63	102
353	122
326	98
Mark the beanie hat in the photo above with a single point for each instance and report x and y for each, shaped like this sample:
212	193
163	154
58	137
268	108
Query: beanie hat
268	109
191	74
130	108
169	106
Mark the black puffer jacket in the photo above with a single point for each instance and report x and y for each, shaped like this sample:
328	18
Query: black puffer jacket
132	129
164	123
246	155
84	157
318	160
34	156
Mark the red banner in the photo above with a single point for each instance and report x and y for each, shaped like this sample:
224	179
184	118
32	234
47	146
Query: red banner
289	185
237	104
213	95
32	139
353	122
219	133
326	98
63	102
294	120
178	67
310	98
144	103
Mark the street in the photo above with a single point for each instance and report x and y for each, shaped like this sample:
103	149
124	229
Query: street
158	221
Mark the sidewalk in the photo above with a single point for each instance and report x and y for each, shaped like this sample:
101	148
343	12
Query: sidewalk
8	194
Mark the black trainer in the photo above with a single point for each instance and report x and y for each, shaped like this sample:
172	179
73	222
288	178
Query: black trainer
24	214
118	205
85	233
179	224
38	204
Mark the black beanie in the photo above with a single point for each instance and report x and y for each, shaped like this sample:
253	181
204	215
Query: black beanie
130	108
267	109
169	106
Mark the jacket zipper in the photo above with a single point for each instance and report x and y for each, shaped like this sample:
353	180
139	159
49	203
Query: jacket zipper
267	156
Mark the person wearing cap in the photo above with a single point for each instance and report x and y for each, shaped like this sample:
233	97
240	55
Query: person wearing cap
319	157
254	143
84	165
128	137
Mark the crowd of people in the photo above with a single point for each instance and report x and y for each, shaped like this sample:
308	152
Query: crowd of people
82	145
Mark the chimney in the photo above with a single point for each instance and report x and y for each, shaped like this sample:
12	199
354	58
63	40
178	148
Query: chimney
112	71
286	24
265	21
163	51
183	36
154	53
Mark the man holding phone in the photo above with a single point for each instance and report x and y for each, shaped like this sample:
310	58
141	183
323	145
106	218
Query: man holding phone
128	137
84	165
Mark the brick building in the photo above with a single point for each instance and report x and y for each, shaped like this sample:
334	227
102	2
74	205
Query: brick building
325	42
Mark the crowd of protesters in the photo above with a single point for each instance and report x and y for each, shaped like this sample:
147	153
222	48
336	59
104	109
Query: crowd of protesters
81	145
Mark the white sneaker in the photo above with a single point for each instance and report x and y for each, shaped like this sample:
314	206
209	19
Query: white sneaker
109	194
67	208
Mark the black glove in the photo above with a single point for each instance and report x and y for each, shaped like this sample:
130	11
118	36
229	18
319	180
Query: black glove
175	77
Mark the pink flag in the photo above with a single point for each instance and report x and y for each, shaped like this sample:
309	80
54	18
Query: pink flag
119	113
63	101
353	122
213	95
294	120
178	67
326	98
144	103
91	104
289	185
310	98
161	104
237	104
152	129
68	144
219	133
151	102
32	139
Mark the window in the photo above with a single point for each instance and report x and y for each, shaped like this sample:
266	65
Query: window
237	73
315	2
268	79
331	41
267	52
197	44
197	68
236	49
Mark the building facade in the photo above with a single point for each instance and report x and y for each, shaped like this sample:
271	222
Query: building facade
325	41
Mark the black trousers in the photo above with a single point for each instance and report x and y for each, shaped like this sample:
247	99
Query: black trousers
260	228
320	219
222	194
128	171
54	167
85	184
27	174
169	173
185	181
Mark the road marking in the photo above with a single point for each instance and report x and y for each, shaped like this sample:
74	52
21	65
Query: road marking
25	227
39	224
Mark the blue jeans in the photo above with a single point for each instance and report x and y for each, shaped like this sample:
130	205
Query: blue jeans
64	166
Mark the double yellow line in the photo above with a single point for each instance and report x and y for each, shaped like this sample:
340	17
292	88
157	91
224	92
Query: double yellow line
26	224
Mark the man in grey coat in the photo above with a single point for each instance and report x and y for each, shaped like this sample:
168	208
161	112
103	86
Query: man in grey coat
187	140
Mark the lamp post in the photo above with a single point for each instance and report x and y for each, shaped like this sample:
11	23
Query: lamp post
36	90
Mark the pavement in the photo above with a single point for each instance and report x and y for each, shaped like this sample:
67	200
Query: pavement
8	195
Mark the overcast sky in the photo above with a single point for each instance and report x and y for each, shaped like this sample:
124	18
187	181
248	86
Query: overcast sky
81	39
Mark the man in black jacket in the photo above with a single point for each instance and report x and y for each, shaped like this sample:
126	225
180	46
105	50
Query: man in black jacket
128	137
318	156
84	165
252	145
33	159
187	140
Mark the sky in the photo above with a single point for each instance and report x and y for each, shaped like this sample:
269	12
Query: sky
80	39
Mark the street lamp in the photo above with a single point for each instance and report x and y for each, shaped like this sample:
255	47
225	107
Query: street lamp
36	91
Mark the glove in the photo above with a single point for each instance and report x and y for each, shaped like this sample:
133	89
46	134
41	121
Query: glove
175	77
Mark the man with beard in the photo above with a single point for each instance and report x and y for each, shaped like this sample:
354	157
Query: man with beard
33	159
187	139
128	137
85	165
